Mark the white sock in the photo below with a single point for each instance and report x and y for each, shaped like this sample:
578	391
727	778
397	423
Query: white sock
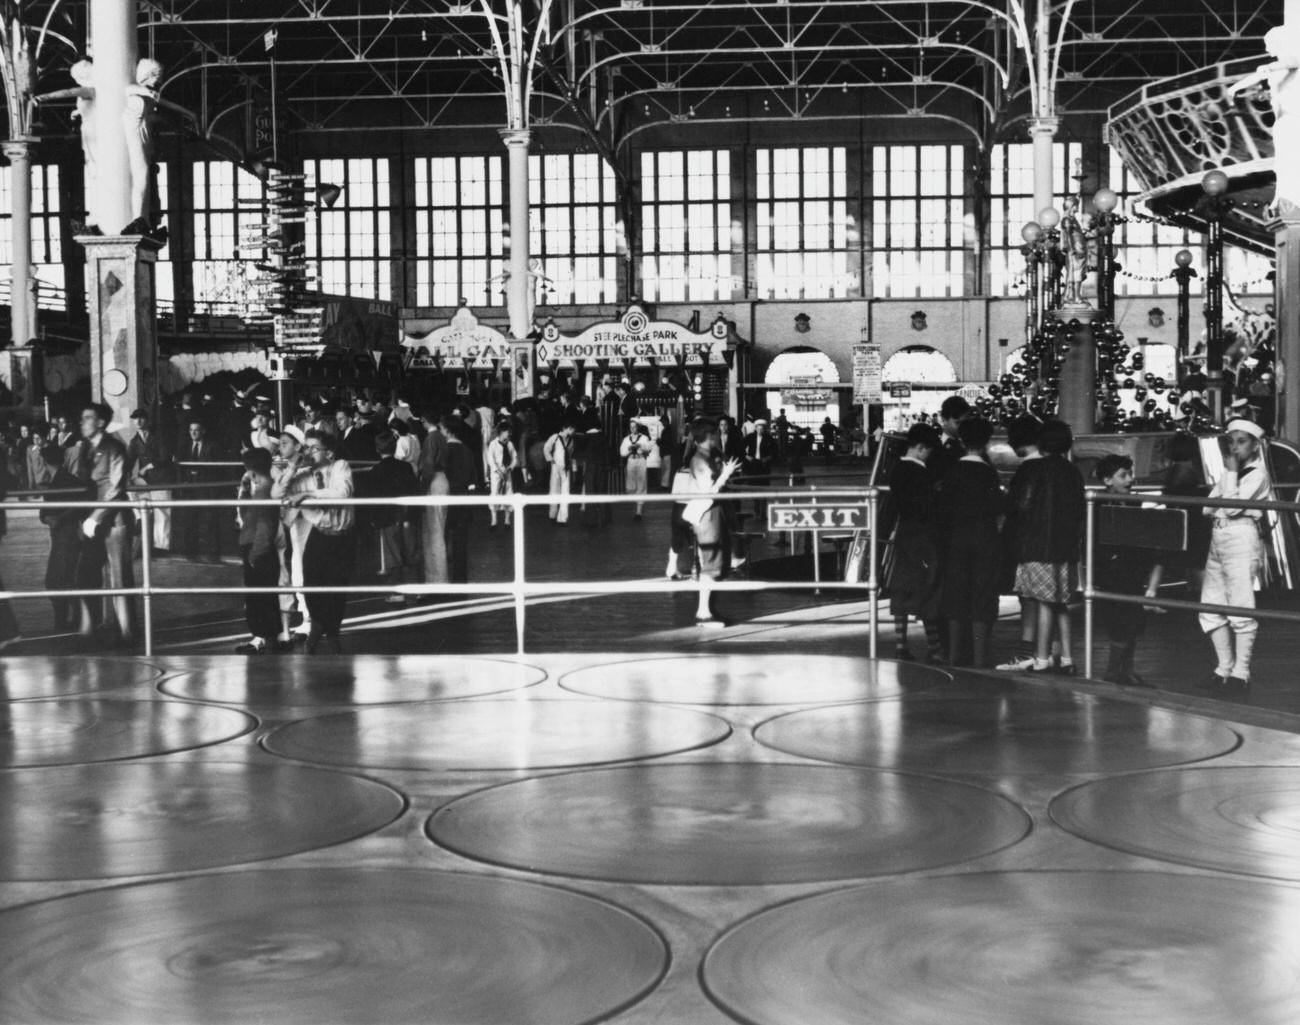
1221	638
1245	647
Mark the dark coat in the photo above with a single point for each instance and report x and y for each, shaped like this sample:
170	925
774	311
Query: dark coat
388	478
1047	504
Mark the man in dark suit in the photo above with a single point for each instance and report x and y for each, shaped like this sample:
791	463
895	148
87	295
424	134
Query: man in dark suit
759	455
399	531
149	461
733	441
100	463
355	443
199	527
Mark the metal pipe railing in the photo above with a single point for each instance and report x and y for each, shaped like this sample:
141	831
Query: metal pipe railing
518	587
1091	595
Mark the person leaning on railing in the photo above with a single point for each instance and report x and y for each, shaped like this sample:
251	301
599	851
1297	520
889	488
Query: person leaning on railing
291	475
1236	556
328	555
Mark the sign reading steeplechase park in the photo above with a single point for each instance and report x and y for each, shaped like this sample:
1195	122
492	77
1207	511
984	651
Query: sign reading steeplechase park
636	339
804	516
462	343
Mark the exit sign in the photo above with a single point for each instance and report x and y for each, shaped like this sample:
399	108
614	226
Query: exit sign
816	517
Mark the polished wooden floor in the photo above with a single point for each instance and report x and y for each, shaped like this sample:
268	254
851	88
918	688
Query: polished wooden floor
643	836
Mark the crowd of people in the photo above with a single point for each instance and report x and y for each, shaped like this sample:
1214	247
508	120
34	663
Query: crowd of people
961	540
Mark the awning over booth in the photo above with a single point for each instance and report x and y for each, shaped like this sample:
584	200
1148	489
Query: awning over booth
464	343
637	340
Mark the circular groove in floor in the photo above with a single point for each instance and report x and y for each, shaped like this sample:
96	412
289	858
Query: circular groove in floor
1106	948
999	735
741	679
74	731
316	945
162	815
1242	819
728	823
495	735
269	681
36	676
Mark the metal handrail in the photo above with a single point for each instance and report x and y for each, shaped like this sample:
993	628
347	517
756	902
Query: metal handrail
1091	595
519	587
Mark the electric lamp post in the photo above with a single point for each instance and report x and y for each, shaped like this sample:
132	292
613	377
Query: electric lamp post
1183	273
1214	206
1105	201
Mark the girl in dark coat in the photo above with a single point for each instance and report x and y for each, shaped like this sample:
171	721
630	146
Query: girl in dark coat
915	581
1047	500
970	505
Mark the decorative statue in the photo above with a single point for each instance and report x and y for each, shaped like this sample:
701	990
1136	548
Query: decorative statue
1283	42
83	73
1075	246
141	101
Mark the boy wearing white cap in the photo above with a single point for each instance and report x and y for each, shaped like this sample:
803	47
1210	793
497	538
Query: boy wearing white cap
1236	555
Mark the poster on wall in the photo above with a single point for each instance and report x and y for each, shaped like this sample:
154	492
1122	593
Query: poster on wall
522	371
867	385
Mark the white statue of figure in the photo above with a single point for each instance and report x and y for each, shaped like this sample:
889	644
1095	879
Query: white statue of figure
142	99
83	73
1075	247
1283	43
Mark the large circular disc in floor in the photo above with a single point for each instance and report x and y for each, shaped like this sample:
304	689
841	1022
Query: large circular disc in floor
495	735
325	945
36	676
1051	948
739	679
728	824
270	682
72	731
1234	818
999	735
144	818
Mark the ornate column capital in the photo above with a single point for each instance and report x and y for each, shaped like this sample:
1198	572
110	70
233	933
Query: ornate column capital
1044	126
516	137
17	149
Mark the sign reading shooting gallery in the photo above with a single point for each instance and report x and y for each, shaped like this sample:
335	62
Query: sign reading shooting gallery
636	338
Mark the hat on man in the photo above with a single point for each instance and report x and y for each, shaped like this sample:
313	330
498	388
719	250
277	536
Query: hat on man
757	422
295	433
1246	427
139	414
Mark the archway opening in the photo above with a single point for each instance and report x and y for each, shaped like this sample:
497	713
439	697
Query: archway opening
916	379
804	383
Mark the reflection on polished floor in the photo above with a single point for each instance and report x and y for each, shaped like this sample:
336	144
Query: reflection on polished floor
705	838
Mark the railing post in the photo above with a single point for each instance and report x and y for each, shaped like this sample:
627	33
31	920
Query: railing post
1090	526
816	550
146	571
517	507
873	579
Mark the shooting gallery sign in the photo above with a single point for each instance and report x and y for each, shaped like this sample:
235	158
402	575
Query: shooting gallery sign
464	343
638	340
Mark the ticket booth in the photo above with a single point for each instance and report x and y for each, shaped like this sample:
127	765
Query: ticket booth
463	358
656	356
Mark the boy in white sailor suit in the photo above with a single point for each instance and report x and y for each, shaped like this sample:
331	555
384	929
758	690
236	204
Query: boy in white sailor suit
1236	555
635	449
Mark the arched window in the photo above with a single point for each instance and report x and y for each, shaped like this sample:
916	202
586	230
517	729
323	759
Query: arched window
919	364
803	383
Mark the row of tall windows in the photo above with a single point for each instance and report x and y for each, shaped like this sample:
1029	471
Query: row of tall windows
813	235
47	234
